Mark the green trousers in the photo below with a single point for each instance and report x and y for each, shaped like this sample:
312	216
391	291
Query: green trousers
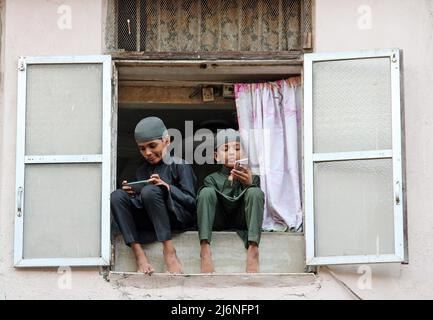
216	211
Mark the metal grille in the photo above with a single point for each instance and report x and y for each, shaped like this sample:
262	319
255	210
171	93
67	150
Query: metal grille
208	25
307	24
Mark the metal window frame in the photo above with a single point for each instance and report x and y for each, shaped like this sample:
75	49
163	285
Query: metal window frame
400	243
104	159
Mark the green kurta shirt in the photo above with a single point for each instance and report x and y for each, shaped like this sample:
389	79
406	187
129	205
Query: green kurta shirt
229	191
231	197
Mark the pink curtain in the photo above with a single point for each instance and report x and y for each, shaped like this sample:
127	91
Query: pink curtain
269	124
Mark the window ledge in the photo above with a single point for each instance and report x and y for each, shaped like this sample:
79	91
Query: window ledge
215	280
280	252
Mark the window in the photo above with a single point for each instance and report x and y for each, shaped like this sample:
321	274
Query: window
354	204
194	26
168	89
63	161
354	186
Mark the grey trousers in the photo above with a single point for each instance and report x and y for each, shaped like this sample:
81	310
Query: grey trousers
145	218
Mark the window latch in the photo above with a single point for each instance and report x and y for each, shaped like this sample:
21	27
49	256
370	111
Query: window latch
21	64
20	201
129	26
397	193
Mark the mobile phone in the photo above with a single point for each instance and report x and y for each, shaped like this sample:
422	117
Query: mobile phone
138	185
241	162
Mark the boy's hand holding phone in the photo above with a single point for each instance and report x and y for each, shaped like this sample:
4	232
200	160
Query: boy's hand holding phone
133	188
128	188
242	173
156	180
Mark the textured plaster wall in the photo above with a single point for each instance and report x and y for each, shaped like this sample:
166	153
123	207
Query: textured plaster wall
406	24
31	28
40	27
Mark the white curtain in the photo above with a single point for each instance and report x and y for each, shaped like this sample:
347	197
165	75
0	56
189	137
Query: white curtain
269	125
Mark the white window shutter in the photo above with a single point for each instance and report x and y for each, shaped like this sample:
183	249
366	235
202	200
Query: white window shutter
63	161
354	204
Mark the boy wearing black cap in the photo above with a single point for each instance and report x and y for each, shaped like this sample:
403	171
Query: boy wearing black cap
166	203
230	199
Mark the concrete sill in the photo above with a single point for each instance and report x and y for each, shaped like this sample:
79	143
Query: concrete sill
280	253
216	280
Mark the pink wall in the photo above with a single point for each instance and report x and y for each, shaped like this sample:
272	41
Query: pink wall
35	27
31	28
406	24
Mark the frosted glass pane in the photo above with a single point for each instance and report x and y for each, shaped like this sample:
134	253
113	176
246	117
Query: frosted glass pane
62	211
64	109
352	105
353	207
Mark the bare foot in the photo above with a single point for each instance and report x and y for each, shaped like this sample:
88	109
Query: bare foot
253	259
206	264
142	262
144	266
172	262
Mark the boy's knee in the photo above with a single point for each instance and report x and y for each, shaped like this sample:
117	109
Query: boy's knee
254	192
149	192
118	196
207	193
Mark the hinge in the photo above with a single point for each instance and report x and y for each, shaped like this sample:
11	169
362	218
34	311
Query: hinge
113	256
311	269
308	40
105	273
21	64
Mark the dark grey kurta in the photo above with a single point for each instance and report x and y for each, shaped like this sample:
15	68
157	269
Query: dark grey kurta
152	214
181	178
